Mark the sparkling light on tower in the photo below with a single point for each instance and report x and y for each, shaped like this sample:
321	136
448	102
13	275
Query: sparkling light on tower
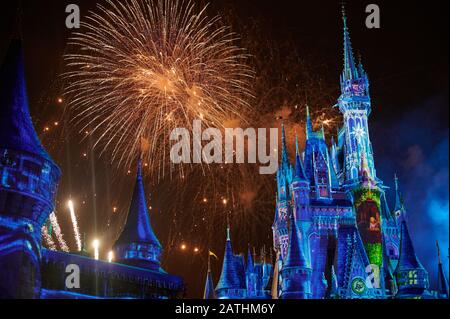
110	256
96	245
58	233
75	225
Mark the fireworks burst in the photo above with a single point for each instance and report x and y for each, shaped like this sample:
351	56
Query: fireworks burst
143	68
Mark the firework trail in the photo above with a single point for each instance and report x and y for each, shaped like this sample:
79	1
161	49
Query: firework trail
59	236
76	230
48	239
142	68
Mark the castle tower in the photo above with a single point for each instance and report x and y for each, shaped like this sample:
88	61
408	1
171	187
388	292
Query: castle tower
355	105
209	292
399	210
28	184
283	209
231	284
285	172
317	164
250	276
138	245
300	190
442	287
411	277
295	273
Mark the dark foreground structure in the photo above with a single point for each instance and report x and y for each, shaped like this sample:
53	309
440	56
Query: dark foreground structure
28	185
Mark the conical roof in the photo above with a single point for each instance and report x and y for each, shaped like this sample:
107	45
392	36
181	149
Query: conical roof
138	228
209	287
299	170
350	70
16	128
295	257
230	277
407	259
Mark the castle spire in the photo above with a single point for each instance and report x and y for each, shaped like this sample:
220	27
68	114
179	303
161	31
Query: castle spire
399	209
138	231
350	71
209	292
250	265
295	256
398	202
299	170
285	155
296	274
230	278
442	280
309	126
334	284
412	278
360	65
16	127
228	228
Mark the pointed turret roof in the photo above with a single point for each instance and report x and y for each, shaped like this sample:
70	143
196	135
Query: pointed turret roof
285	155
250	264
138	228
16	127
230	278
334	283
295	256
209	287
407	258
398	196
442	280
209	292
360	65
350	71
299	169
309	126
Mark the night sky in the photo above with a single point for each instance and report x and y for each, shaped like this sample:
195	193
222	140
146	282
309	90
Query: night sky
407	62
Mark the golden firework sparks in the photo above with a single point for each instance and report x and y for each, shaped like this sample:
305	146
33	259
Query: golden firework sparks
140	69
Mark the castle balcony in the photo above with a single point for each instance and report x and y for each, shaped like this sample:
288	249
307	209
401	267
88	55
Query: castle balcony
28	185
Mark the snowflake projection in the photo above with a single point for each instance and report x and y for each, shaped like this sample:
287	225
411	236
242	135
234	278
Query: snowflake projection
359	133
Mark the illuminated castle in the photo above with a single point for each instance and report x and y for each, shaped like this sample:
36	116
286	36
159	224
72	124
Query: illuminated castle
28	185
334	234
